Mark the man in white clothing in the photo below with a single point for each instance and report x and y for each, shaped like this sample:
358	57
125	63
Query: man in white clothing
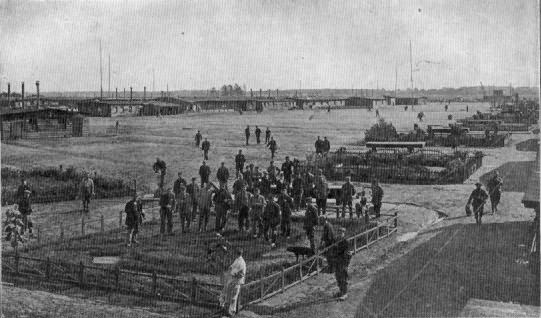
234	278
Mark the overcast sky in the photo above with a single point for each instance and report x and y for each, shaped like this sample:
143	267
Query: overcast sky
268	44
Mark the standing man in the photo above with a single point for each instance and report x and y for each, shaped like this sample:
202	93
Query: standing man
271	219
248	177
192	191
348	191
478	198
238	184
239	163
319	145
377	197
198	138
206	147
310	221
222	203
242	202
178	182
25	209
326	145
286	204
272	146
161	167
327	239
297	190
222	175
230	293
495	191
205	203
341	259
257	205
257	134
86	191
167	204
134	212
204	173
267	136
272	171
321	191
287	169
183	208
247	133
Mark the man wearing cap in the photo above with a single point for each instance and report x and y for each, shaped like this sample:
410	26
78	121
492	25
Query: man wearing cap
236	276
161	167
242	203
286	204
267	136
239	163
247	133
204	173
272	146
248	177
25	209
348	191
198	138
20	190
271	219
205	203
377	197
495	191
326	145
321	191
192	191
257	205
297	190
272	170
222	202
239	184
222	175
287	169
327	239
341	258
310	221
265	185
178	182
258	135
86	191
478	198
167	205
318	145
134	213
205	146
184	207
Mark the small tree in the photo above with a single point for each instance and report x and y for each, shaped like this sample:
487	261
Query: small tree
382	131
14	226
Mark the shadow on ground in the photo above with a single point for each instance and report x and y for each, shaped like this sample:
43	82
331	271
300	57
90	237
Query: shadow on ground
515	175
528	145
437	278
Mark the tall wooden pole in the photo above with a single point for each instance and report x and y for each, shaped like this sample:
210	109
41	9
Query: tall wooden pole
101	76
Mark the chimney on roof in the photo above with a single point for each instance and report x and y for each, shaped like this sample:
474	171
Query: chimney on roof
277	92
22	93
116	92
260	93
131	94
144	93
37	92
9	92
251	93
269	93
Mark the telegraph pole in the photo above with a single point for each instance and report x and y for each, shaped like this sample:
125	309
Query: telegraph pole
101	76
109	86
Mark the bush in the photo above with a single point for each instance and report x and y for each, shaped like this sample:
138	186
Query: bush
382	131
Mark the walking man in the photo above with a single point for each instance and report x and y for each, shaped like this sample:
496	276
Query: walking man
235	278
272	146
377	197
86	191
348	191
205	203
310	221
319	145
239	163
247	133
134	212
242	203
198	138
178	182
161	167
257	134
341	259
167	205
25	209
257	205
321	191
478	198
204	173
286	204
267	136
272	170
206	147
249	177
271	219
222	203
297	190
222	175
192	191
287	169
327	239
183	207
495	191
326	145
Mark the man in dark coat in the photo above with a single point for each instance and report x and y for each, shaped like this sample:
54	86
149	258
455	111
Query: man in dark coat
257	134
222	175
248	177
287	169
326	145
319	145
204	173
242	203
271	219
286	204
341	259
327	239
348	191
267	136
206	147
184	203
478	198
495	191
167	205
239	163
198	138
272	171
178	182
239	184
134	213
222	202
247	133
161	167
377	197
297	190
272	146
321	190
310	221
192	198
25	209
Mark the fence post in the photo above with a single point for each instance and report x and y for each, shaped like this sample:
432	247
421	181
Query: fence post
355	244
81	273
120	219
317	262
282	275
396	219
261	275
16	261
48	268
193	289
117	278
61	230
300	268
154	283
39	233
337	213
83	225
366	235
102	223
377	232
